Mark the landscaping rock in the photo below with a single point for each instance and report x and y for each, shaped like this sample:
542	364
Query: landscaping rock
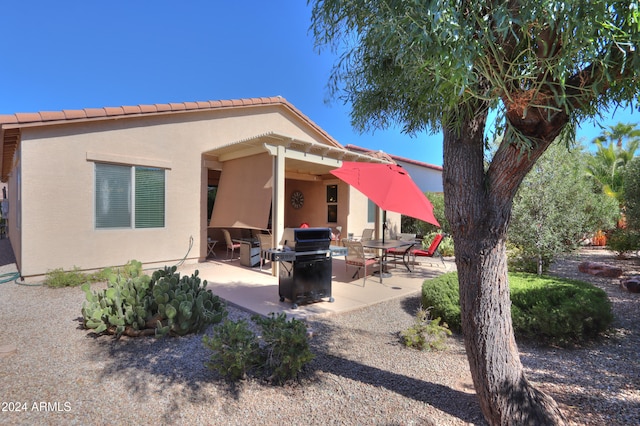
631	284
599	269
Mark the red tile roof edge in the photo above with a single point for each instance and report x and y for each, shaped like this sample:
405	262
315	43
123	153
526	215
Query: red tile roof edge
48	117
351	147
69	115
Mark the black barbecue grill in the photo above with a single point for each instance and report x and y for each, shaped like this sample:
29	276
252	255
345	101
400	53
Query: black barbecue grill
305	266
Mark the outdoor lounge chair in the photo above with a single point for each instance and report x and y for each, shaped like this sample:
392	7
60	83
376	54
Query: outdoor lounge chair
231	246
356	256
431	251
400	252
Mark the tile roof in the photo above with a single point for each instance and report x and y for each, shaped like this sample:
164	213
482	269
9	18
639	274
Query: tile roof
10	124
88	113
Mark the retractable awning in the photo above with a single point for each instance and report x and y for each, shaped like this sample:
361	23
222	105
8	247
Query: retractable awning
244	193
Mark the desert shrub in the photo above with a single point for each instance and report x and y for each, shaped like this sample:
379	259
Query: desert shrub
554	208
441	294
58	278
285	347
519	260
279	354
235	349
425	333
632	193
161	304
558	311
623	241
548	310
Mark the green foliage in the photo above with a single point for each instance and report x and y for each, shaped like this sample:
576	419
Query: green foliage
554	209
285	349
183	303
607	165
623	242
548	310
428	65
142	305
279	353
124	303
60	278
425	333
235	349
556	311
632	193
442	295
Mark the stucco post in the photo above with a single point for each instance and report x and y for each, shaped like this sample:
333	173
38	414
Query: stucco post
277	216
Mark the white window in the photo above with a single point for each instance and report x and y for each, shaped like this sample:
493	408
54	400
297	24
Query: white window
129	196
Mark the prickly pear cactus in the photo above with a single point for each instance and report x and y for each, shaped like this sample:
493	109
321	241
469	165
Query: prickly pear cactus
184	303
161	304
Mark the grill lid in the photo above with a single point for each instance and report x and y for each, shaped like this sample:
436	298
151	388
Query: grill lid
308	239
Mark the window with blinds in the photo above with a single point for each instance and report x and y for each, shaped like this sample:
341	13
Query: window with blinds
129	196
371	211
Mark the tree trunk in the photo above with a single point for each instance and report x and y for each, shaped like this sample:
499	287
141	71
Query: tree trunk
478	207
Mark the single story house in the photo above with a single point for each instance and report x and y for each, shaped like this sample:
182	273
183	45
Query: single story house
98	187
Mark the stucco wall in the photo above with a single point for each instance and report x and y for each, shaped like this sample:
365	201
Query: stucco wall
58	228
428	180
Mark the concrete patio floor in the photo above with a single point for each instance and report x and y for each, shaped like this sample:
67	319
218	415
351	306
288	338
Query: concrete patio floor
256	291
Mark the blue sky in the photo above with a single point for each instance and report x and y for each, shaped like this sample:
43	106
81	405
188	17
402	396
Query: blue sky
74	54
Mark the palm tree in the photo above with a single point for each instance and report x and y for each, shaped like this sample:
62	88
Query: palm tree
607	165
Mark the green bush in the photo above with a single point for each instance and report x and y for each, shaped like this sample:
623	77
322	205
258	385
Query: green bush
279	354
425	333
441	294
235	349
285	349
143	305
623	242
60	278
519	261
549	310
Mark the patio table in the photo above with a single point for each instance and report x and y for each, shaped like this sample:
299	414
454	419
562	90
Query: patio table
386	245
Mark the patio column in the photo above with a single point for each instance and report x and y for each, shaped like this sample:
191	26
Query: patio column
277	215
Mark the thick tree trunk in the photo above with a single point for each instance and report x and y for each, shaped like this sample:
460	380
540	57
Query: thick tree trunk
478	207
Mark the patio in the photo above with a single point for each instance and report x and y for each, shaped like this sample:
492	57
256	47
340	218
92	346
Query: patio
257	291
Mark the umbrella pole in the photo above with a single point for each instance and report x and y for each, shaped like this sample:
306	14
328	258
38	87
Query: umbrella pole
384	223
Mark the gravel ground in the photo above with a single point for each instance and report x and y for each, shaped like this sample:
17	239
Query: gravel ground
61	374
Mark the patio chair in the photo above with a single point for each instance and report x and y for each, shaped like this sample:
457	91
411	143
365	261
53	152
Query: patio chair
356	256
265	244
335	236
400	252
431	251
231	246
367	234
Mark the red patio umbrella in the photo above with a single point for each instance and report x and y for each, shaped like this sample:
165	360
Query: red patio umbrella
389	186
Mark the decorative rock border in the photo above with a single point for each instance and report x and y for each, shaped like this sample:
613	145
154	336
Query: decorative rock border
631	284
600	269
